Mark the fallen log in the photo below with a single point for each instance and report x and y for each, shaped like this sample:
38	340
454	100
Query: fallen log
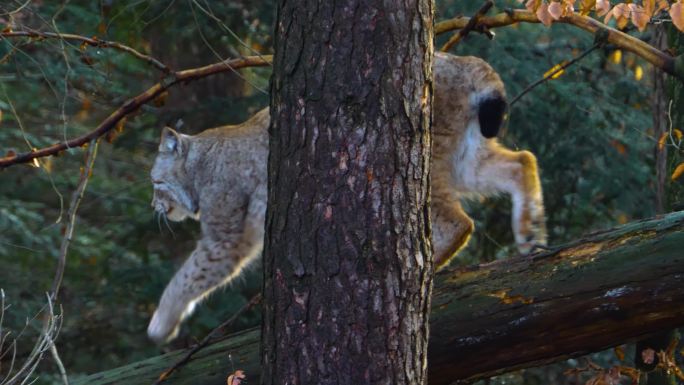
600	291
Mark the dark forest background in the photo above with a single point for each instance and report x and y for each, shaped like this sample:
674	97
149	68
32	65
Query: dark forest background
591	130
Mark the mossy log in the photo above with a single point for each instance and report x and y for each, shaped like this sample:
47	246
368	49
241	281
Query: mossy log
600	291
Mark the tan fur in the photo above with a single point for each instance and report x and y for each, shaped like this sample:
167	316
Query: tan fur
219	178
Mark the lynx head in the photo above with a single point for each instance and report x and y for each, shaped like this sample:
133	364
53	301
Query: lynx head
171	179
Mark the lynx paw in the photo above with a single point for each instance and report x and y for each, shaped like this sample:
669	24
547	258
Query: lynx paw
532	236
166	321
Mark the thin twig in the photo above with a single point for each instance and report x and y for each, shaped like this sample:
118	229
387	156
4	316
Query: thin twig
472	23
58	361
556	71
43	344
91	41
133	104
217	332
76	198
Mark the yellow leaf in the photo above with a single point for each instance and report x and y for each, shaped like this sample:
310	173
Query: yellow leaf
556	71
677	133
35	163
616	56
160	100
47	164
586	6
677	15
638	73
532	5
679	170
121	124
662	140
649	6
622	218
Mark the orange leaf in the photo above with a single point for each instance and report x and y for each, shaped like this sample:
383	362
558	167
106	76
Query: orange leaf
543	15
555	10
679	170
602	7
677	15
619	353
677	133
649	6
236	378
640	17
619	146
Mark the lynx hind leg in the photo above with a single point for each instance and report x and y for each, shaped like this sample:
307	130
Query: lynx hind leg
451	228
211	265
516	173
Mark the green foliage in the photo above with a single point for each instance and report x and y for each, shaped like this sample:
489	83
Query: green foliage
590	130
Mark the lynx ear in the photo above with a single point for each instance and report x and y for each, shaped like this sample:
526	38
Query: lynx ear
171	141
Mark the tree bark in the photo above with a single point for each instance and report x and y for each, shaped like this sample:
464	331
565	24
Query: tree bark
347	259
604	290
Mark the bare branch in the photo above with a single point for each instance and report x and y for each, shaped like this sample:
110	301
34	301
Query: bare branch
463	32
71	217
52	325
133	104
627	42
91	41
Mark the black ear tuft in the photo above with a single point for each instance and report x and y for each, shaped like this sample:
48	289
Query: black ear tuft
491	113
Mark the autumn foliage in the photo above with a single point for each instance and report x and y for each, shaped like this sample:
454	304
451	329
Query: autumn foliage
639	13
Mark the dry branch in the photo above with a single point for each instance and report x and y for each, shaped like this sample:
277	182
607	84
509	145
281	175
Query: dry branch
91	41
597	292
472	23
133	104
603	32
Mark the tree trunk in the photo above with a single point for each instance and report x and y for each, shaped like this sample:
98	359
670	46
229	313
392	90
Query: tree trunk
347	261
595	293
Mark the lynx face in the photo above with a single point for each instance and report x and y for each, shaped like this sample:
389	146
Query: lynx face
172	197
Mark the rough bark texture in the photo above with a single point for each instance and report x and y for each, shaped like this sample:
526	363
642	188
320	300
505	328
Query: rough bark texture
347	261
598	292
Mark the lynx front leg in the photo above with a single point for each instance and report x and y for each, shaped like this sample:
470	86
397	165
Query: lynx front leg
515	172
211	265
451	227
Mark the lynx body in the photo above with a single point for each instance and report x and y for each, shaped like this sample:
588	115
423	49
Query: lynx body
219	178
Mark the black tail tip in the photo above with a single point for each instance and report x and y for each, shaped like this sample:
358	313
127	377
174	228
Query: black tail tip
491	114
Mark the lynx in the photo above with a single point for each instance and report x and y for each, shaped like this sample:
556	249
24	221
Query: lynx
218	177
